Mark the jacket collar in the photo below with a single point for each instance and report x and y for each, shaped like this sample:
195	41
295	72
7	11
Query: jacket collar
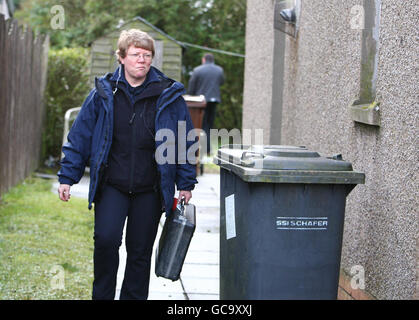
171	88
153	85
119	76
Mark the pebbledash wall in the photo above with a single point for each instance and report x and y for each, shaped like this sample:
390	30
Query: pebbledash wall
300	90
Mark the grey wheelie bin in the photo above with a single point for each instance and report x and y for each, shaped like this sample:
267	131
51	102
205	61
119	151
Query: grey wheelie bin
281	221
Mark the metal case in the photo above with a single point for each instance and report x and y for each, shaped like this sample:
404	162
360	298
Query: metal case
174	242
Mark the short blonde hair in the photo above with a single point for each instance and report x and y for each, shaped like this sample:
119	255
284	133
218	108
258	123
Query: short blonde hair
134	37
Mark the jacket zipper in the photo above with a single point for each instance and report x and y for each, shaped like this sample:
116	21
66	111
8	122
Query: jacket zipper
131	176
133	133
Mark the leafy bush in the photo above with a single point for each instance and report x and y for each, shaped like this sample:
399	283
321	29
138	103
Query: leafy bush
67	87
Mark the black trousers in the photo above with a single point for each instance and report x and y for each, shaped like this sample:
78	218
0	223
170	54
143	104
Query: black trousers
208	121
143	211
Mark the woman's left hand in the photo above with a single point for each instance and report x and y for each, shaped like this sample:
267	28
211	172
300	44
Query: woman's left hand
185	194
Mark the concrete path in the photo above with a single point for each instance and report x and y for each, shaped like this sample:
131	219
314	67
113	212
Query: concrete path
200	274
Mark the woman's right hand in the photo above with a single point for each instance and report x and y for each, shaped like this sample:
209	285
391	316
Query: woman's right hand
64	192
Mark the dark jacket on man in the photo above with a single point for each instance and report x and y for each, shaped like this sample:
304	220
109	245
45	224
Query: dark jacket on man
206	79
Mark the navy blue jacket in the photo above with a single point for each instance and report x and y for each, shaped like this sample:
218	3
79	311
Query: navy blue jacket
90	138
131	167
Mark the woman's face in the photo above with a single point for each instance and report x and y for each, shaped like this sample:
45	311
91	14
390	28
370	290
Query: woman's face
137	64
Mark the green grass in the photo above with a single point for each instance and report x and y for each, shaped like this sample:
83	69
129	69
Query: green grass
39	234
211	168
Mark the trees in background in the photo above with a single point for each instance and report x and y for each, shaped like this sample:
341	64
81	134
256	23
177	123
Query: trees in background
216	24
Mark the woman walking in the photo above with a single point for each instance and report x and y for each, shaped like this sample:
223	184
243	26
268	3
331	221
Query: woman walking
115	134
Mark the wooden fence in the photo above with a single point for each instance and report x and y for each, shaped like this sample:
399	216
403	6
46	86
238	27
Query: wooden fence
23	71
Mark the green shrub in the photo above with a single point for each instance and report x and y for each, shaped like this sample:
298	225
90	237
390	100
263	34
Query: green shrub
67	87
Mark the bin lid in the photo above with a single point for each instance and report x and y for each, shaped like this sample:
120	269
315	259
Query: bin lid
195	101
285	164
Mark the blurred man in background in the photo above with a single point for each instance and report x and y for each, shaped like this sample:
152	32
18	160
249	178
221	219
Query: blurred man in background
206	79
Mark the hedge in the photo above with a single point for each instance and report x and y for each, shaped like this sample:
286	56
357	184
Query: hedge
67	87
